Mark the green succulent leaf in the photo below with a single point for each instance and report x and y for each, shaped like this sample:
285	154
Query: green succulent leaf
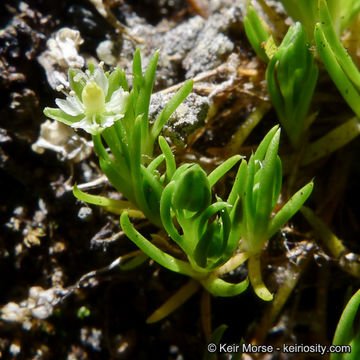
156	163
114	206
291	78
192	191
171	106
290	209
306	11
219	287
116	79
169	158
337	61
345	333
144	95
162	258
137	70
166	215
222	169
256	32
213	241
264	203
239	183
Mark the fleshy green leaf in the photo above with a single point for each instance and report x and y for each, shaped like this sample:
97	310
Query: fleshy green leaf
256	32
192	191
116	79
266	183
170	107
143	99
222	169
114	206
345	86
290	209
219	287
291	79
261	150
239	183
169	158
165	213
165	260
345	331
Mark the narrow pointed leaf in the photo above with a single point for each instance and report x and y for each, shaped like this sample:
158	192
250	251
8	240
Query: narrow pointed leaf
290	209
222	169
171	106
169	158
342	82
165	260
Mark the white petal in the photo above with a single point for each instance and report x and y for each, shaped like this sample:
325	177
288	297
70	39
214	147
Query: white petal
101	79
73	99
72	106
118	101
79	124
108	120
88	125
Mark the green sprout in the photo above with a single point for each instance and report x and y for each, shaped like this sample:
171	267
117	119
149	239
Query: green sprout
210	231
256	32
305	11
348	331
258	185
346	77
102	104
292	73
336	59
214	236
291	78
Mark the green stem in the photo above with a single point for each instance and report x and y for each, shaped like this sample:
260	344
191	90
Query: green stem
332	141
167	261
330	240
219	287
112	205
174	302
254	268
232	264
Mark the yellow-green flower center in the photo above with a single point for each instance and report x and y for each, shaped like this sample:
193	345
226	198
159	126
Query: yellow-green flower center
93	98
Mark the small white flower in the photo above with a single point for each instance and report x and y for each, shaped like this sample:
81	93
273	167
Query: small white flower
89	109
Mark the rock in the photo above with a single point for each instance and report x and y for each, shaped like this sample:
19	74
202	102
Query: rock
63	140
61	54
189	116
